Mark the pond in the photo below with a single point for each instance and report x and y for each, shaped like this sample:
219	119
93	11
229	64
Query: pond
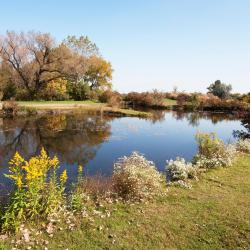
97	141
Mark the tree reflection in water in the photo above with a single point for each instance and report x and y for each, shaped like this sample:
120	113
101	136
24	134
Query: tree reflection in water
76	138
194	117
73	138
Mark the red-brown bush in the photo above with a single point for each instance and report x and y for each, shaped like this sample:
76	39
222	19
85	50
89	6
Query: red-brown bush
112	98
146	99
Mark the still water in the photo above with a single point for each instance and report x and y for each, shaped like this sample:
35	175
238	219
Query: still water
97	141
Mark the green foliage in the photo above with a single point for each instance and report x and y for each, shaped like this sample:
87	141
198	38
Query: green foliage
9	91
81	45
78	197
212	152
195	101
208	144
220	89
78	91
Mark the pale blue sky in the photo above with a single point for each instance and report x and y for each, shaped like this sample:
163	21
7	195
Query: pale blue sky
150	43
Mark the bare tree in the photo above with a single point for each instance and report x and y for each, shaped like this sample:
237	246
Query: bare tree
34	58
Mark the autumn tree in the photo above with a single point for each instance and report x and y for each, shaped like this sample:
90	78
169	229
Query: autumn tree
30	61
93	69
99	73
34	59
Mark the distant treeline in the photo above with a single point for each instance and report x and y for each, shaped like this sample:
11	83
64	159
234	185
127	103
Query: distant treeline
33	66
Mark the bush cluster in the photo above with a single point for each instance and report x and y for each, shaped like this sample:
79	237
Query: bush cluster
112	98
145	99
136	178
179	169
193	101
212	152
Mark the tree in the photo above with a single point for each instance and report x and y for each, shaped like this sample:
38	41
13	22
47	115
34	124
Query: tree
220	89
34	59
81	46
93	69
99	73
30	61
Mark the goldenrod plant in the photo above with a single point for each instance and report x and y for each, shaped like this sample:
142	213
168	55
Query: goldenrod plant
37	190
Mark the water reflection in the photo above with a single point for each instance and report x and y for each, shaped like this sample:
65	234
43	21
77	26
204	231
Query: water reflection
73	138
214	117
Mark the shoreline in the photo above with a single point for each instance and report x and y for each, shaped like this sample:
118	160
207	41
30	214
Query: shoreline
27	108
43	108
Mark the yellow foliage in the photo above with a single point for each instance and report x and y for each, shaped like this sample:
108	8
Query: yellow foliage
57	86
56	123
24	172
35	182
63	177
56	90
15	169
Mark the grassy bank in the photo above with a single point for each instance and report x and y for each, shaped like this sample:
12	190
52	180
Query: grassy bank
169	102
213	214
78	106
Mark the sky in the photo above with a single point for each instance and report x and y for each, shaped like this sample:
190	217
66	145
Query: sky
152	44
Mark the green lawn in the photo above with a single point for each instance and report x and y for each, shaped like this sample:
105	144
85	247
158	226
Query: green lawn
213	214
169	102
34	103
81	105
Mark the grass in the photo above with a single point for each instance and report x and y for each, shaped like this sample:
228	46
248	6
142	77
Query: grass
48	103
214	214
81	106
169	102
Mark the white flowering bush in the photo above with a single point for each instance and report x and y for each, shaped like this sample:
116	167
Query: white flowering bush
212	152
243	146
180	170
136	178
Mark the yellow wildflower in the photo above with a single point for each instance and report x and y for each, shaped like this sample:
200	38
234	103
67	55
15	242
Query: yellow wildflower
54	162
17	179
63	177
15	169
16	161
